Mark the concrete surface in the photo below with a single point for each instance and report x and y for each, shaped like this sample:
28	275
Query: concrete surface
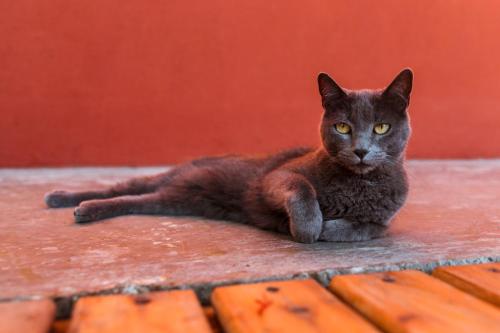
452	217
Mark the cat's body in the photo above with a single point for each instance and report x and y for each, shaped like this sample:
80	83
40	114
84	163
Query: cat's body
347	190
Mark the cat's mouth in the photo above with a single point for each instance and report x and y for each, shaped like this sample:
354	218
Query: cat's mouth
356	165
362	168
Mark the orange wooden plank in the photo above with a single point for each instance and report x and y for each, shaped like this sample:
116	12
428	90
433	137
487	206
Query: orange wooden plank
412	301
175	311
30	316
287	306
482	281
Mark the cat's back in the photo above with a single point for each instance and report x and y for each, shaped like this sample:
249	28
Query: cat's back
284	157
258	164
234	173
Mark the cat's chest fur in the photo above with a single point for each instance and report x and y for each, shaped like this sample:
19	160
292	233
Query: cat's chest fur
372	198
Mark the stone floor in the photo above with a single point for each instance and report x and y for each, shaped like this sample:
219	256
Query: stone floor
452	216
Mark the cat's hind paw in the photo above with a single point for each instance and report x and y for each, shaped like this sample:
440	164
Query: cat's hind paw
58	199
81	217
94	210
86	213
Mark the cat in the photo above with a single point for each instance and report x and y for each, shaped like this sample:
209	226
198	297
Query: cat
348	189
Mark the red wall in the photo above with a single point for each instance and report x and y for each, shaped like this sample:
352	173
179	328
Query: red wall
133	82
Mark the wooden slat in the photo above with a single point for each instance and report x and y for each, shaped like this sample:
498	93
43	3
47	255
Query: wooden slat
175	311
31	316
287	306
412	301
482	281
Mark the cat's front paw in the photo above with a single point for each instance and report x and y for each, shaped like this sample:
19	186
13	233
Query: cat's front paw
58	199
342	230
306	222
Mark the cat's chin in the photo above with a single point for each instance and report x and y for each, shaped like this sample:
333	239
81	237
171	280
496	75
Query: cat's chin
361	168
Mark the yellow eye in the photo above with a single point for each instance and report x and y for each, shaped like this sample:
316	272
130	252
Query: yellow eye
343	128
381	128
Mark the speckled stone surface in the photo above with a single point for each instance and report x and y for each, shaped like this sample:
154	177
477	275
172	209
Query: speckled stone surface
452	216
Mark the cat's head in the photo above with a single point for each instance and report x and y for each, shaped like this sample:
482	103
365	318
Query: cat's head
365	129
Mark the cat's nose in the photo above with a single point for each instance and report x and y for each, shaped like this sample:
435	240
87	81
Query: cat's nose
360	153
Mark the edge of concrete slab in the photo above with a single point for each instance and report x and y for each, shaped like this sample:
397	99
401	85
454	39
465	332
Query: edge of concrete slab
64	304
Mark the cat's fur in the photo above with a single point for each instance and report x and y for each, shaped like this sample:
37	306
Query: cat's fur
329	193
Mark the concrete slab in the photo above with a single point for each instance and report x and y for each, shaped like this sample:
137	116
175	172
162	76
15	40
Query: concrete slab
452	216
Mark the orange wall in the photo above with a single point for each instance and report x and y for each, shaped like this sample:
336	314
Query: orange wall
134	82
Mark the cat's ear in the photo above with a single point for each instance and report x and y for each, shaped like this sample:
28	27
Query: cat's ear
400	86
329	89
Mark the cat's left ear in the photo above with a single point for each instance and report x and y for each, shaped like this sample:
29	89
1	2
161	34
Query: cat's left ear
400	86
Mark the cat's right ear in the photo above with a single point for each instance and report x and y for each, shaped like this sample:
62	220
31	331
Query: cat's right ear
330	91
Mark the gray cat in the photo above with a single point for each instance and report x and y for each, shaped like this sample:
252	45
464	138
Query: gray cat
349	189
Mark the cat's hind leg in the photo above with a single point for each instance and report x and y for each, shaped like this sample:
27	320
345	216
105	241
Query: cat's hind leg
60	198
94	210
134	186
170	201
